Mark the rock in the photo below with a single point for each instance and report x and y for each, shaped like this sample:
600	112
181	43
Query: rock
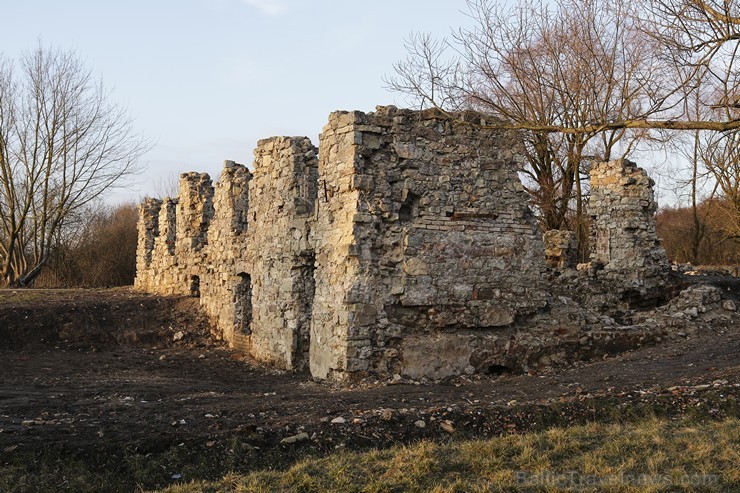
301	437
692	312
178	336
420	423
338	421
387	415
447	426
729	305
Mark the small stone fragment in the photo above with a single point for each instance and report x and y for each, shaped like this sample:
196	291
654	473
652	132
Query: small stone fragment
420	423
303	436
338	421
447	426
692	312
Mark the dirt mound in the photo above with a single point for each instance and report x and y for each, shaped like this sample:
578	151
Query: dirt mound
99	319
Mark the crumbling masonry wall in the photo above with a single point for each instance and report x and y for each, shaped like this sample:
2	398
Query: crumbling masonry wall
283	198
626	251
173	234
405	246
424	240
222	290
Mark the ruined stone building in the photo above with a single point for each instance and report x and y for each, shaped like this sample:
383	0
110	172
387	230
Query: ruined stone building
405	245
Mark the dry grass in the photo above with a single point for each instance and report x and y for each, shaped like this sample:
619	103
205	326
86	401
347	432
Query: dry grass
651	456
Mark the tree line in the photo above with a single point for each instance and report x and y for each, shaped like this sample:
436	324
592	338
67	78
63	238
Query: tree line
99	251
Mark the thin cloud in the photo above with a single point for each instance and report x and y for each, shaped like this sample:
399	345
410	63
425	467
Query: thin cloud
269	7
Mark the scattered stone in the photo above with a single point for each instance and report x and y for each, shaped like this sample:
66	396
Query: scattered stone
729	305
303	436
178	336
447	426
338	421
420	423
387	415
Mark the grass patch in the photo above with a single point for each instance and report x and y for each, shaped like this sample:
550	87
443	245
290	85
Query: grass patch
655	455
605	446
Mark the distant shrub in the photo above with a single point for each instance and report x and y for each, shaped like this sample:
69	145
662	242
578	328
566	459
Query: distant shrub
710	239
101	252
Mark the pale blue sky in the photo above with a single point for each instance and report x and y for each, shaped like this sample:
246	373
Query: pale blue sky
206	79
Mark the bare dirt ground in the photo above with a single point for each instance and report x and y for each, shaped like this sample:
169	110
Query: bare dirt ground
113	376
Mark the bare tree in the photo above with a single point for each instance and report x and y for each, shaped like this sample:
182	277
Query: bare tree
562	76
703	36
720	156
62	145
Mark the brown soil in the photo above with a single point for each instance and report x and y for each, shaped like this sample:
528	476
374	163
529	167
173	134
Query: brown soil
98	373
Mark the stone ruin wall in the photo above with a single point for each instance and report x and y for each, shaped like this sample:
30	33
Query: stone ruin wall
406	246
424	240
625	249
622	207
222	270
283	197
